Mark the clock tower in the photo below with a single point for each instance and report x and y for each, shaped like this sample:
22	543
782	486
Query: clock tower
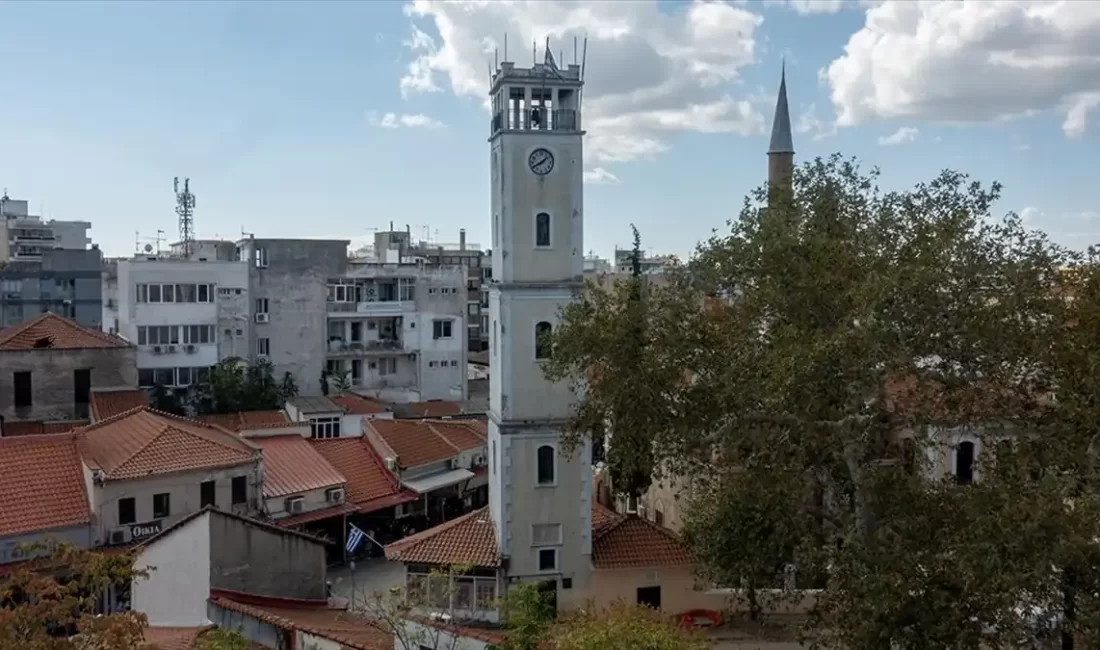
540	496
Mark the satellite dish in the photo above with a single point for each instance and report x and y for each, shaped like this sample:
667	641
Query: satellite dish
148	248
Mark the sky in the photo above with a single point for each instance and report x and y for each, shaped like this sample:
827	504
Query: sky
331	119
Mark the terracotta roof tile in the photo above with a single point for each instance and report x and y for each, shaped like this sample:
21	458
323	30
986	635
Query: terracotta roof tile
316	515
293	466
37	427
432	409
467	540
633	542
369	484
142	441
52	332
346	628
359	405
172	638
602	517
108	403
42	483
249	420
420	442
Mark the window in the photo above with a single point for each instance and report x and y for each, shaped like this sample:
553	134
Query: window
263	346
442	329
472	308
542	230
82	385
408	290
127	511
198	334
493	467
548	559
168	293
261	305
387	366
206	494
964	463
324	427
143	293
432	364
545	462
546	535
454	363
23	389
261	258
162	505
185	293
205	293
240	490
542	339
496	230
495	336
154	293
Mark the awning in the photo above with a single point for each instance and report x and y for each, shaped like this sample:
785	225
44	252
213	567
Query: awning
436	481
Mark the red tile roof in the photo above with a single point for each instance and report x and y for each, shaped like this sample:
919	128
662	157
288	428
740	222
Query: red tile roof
358	405
249	420
432	409
108	403
633	543
293	466
421	442
172	638
317	515
468	540
618	542
42	483
346	628
370	486
142	441
37	427
52	332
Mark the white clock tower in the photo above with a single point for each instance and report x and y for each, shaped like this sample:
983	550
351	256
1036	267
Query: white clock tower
540	498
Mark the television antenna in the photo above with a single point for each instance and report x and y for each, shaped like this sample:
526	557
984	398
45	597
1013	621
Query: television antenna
185	207
147	247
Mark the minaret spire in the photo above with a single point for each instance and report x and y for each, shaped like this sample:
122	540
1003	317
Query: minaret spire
781	148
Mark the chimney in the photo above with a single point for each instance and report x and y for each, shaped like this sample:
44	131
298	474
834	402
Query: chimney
462	239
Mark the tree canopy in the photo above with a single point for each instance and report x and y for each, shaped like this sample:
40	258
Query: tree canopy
817	374
234	385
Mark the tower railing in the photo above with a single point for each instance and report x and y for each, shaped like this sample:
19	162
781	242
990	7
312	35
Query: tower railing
537	119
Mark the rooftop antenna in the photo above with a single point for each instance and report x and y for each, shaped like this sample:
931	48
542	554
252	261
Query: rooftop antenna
505	49
584	64
185	206
574	49
534	52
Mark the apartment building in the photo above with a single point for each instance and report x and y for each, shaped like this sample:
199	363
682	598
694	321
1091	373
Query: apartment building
24	237
183	314
50	365
61	281
396	331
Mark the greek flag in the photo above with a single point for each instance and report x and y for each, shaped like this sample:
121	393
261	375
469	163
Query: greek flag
355	537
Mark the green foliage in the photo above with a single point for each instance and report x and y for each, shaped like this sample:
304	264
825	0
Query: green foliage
222	639
164	399
780	373
234	386
288	387
528	616
624	627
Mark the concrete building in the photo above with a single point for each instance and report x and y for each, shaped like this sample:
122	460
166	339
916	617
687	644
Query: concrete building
50	365
146	470
25	237
396	331
184	315
288	280
62	281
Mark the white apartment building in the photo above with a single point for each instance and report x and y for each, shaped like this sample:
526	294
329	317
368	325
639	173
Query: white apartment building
24	236
398	331
184	315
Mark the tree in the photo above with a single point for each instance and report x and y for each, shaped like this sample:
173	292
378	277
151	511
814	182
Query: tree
786	367
222	639
528	616
624	627
163	399
234	385
289	387
49	603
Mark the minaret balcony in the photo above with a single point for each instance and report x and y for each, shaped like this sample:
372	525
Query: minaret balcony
537	119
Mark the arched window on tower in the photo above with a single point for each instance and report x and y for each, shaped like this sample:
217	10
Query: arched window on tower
964	463
546	471
542	339
542	230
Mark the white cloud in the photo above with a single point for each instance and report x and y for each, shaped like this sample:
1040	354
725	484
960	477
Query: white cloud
816	6
600	176
961	62
809	123
903	135
648	73
395	121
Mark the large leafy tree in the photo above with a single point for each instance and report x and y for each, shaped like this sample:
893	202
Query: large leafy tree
234	385
811	371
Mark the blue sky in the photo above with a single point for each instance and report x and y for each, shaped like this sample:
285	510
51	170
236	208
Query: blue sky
278	111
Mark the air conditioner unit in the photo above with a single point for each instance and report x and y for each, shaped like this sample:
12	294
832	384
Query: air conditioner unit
412	357
190	349
263	318
391	464
295	505
156	349
118	536
479	460
452	463
335	495
171	348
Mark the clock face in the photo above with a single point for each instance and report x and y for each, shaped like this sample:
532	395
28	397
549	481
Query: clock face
541	161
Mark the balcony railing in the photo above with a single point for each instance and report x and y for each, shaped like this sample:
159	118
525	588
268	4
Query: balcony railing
537	119
341	347
376	307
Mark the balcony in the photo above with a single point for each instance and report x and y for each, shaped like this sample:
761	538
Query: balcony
372	308
338	348
535	119
34	237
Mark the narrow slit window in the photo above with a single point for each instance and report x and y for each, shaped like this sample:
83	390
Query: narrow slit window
542	230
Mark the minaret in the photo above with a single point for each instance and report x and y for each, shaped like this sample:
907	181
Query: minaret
540	499
781	149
